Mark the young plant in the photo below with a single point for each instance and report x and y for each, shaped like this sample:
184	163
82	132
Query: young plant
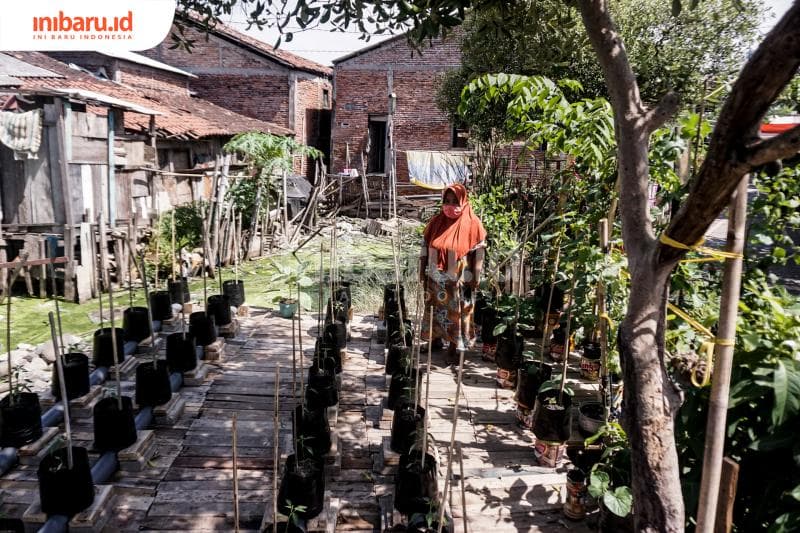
293	278
609	479
294	512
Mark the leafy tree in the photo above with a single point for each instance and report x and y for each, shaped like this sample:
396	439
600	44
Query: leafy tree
708	42
652	400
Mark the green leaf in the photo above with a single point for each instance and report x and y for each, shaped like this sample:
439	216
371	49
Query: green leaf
619	502
499	328
305	282
598	483
795	493
780	384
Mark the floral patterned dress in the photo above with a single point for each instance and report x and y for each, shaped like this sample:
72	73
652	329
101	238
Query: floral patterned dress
453	301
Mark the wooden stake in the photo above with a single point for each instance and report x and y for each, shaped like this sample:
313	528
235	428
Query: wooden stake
727	496
452	440
172	224
157	234
294	356
427	389
149	314
603	323
63	386
567	341
300	343
276	444
463	487
235	477
549	303
417	347
107	281
723	361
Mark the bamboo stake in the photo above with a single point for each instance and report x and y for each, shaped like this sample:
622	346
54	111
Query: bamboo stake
567	341
601	311
235	478
63	386
452	440
300	343
417	347
157	234
319	302
723	361
294	358
549	303
399	294
58	308
107	281
276	444
427	388
172	224
100	271
149	315
463	487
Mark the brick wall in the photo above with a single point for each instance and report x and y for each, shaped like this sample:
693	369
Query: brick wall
362	90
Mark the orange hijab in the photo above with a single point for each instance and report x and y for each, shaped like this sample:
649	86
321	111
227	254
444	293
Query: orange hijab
458	234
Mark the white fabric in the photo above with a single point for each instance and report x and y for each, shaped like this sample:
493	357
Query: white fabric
437	170
22	132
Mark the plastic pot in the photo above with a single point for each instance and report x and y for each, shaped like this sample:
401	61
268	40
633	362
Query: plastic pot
575	504
510	346
590	418
340	311
179	291
402	388
152	384
418	523
324	353
136	324
343	295
312	423
234	290
406	425
76	376
202	328
557	345
219	306
394	301
398	359
161	305
415	486
181	353
287	308
12	525
20	421
611	523
302	484
335	334
63	490
584	458
114	429
488	324
481	305
590	361
321	388
531	377
394	335
552	422
102	347
286	527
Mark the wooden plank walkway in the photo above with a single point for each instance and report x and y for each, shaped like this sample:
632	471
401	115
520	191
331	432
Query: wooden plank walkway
187	485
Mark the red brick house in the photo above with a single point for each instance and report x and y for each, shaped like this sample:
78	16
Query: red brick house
363	82
250	77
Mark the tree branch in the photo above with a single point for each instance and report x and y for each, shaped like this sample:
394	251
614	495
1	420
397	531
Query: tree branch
761	81
630	125
665	110
784	145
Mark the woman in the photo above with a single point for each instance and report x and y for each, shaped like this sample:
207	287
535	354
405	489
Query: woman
451	260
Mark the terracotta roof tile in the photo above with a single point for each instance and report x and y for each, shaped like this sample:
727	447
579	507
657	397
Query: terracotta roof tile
183	116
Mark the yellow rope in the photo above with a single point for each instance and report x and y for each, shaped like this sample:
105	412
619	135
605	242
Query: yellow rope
689	320
718	255
604	316
706	348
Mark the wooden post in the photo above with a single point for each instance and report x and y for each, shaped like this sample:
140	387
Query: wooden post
463	488
235	477
452	441
112	182
276	443
723	361
213	223
727	496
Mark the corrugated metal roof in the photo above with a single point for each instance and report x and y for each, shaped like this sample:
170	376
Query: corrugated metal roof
146	61
13	66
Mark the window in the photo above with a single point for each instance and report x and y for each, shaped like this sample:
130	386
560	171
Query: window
377	144
326	98
460	136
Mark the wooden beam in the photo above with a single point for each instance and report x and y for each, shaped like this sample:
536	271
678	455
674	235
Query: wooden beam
36	262
727	495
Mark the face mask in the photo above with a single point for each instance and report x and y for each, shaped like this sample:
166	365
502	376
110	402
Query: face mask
451	211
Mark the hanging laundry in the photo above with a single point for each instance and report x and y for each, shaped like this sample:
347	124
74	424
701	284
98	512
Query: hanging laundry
22	132
436	169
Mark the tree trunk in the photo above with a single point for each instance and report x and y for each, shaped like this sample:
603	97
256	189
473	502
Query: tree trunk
649	406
